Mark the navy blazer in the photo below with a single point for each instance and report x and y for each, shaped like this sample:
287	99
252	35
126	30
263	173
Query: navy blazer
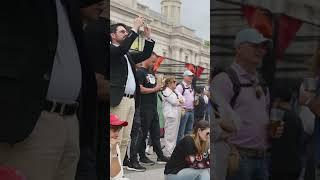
119	67
28	46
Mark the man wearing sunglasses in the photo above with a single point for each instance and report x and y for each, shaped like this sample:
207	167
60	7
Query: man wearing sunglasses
124	87
251	105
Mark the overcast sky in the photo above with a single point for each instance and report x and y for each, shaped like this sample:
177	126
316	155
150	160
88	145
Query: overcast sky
194	14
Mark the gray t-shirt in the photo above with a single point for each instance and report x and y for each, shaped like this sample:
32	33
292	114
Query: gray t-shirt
65	81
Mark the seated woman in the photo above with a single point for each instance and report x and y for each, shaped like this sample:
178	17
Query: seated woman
190	159
116	169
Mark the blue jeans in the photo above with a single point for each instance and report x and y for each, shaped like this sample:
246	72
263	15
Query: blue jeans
251	169
317	141
186	125
190	174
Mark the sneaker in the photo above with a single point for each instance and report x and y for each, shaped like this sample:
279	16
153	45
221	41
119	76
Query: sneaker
149	150
135	166
146	161
162	160
125	163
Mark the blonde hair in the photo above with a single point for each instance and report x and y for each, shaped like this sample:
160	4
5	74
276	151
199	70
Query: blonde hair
315	67
168	81
202	146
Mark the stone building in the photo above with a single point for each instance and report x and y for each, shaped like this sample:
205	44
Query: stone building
176	42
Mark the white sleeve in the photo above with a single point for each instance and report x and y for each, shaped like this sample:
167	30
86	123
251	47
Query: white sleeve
172	99
308	119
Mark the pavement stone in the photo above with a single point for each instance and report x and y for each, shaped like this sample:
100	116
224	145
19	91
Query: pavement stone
154	172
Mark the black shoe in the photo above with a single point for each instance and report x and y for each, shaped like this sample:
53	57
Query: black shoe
162	160
146	161
125	163
135	166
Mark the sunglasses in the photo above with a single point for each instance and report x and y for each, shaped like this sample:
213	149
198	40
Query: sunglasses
122	31
208	133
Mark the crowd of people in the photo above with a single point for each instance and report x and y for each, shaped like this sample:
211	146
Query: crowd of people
56	78
140	97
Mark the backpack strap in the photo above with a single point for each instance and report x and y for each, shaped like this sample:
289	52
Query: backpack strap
163	94
160	96
263	84
235	83
184	88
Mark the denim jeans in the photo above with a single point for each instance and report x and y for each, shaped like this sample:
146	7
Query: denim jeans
317	142
186	125
252	169
190	174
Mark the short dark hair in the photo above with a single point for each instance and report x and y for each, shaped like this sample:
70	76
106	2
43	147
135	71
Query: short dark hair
113	27
199	90
284	89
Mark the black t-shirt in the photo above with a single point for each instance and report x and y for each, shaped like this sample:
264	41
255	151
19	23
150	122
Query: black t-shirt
147	79
185	156
200	109
286	151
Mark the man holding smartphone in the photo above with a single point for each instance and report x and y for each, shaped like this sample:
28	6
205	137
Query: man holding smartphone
124	87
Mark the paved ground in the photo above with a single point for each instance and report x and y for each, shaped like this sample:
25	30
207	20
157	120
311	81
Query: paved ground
154	172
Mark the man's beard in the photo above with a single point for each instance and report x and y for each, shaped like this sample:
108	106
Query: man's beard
120	41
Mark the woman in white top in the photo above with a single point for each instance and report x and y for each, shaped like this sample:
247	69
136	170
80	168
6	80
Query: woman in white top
116	169
172	104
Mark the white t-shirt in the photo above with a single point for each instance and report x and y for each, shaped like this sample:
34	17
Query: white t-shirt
120	174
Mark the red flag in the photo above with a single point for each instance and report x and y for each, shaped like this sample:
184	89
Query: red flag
158	63
199	71
287	29
259	19
191	68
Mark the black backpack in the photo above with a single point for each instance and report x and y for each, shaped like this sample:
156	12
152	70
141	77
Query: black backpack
237	85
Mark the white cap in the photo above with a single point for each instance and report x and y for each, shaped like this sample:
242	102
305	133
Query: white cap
251	35
187	73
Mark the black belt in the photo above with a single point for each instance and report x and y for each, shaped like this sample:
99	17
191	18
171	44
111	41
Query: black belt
61	108
128	95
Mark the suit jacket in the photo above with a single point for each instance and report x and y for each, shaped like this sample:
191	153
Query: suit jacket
119	68
26	62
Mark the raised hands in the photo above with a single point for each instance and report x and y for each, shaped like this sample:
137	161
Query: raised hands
138	22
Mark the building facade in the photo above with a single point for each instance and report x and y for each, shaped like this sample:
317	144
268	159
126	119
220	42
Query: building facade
177	43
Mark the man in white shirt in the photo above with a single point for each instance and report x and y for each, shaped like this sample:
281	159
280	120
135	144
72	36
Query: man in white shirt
124	89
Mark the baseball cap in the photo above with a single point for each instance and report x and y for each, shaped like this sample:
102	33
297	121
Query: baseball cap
251	35
187	73
9	173
115	121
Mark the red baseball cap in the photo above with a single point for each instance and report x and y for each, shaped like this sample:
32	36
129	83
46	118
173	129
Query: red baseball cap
115	121
9	173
